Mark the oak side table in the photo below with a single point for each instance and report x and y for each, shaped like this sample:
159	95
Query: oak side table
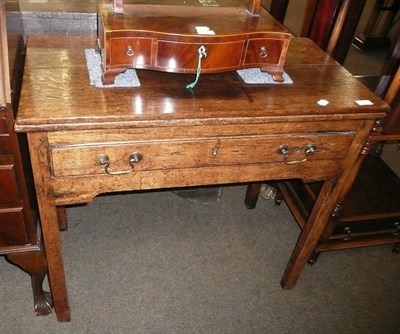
85	140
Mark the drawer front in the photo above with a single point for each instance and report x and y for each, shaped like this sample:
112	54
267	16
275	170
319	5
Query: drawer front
178	154
358	229
263	50
5	144
3	124
175	56
9	193
12	228
4	136
130	52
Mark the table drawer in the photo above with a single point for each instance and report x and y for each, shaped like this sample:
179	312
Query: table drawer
130	52
178	154
263	50
4	136
9	193
3	124
5	145
12	227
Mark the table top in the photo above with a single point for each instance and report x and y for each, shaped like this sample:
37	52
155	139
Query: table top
57	95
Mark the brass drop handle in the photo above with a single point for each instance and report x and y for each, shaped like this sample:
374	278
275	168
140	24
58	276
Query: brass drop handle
348	233
129	51
104	160
286	151
263	52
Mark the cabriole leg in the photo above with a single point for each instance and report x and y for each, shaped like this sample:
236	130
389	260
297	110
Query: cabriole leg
34	263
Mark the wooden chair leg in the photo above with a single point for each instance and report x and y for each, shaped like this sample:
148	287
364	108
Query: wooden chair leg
313	258
35	264
278	197
252	193
377	149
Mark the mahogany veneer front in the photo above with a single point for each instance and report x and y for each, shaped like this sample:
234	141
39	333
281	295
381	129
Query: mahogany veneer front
165	37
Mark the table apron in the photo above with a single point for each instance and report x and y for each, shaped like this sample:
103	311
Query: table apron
83	189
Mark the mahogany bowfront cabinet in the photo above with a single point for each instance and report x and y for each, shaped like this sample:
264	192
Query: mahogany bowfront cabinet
19	239
168	37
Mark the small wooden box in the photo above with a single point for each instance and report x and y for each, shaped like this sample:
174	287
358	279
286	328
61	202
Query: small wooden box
233	34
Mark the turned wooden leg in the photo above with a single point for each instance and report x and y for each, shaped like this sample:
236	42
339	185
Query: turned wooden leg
35	264
252	193
377	149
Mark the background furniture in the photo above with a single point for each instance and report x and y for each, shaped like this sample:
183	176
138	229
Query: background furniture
368	212
381	20
19	239
330	24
